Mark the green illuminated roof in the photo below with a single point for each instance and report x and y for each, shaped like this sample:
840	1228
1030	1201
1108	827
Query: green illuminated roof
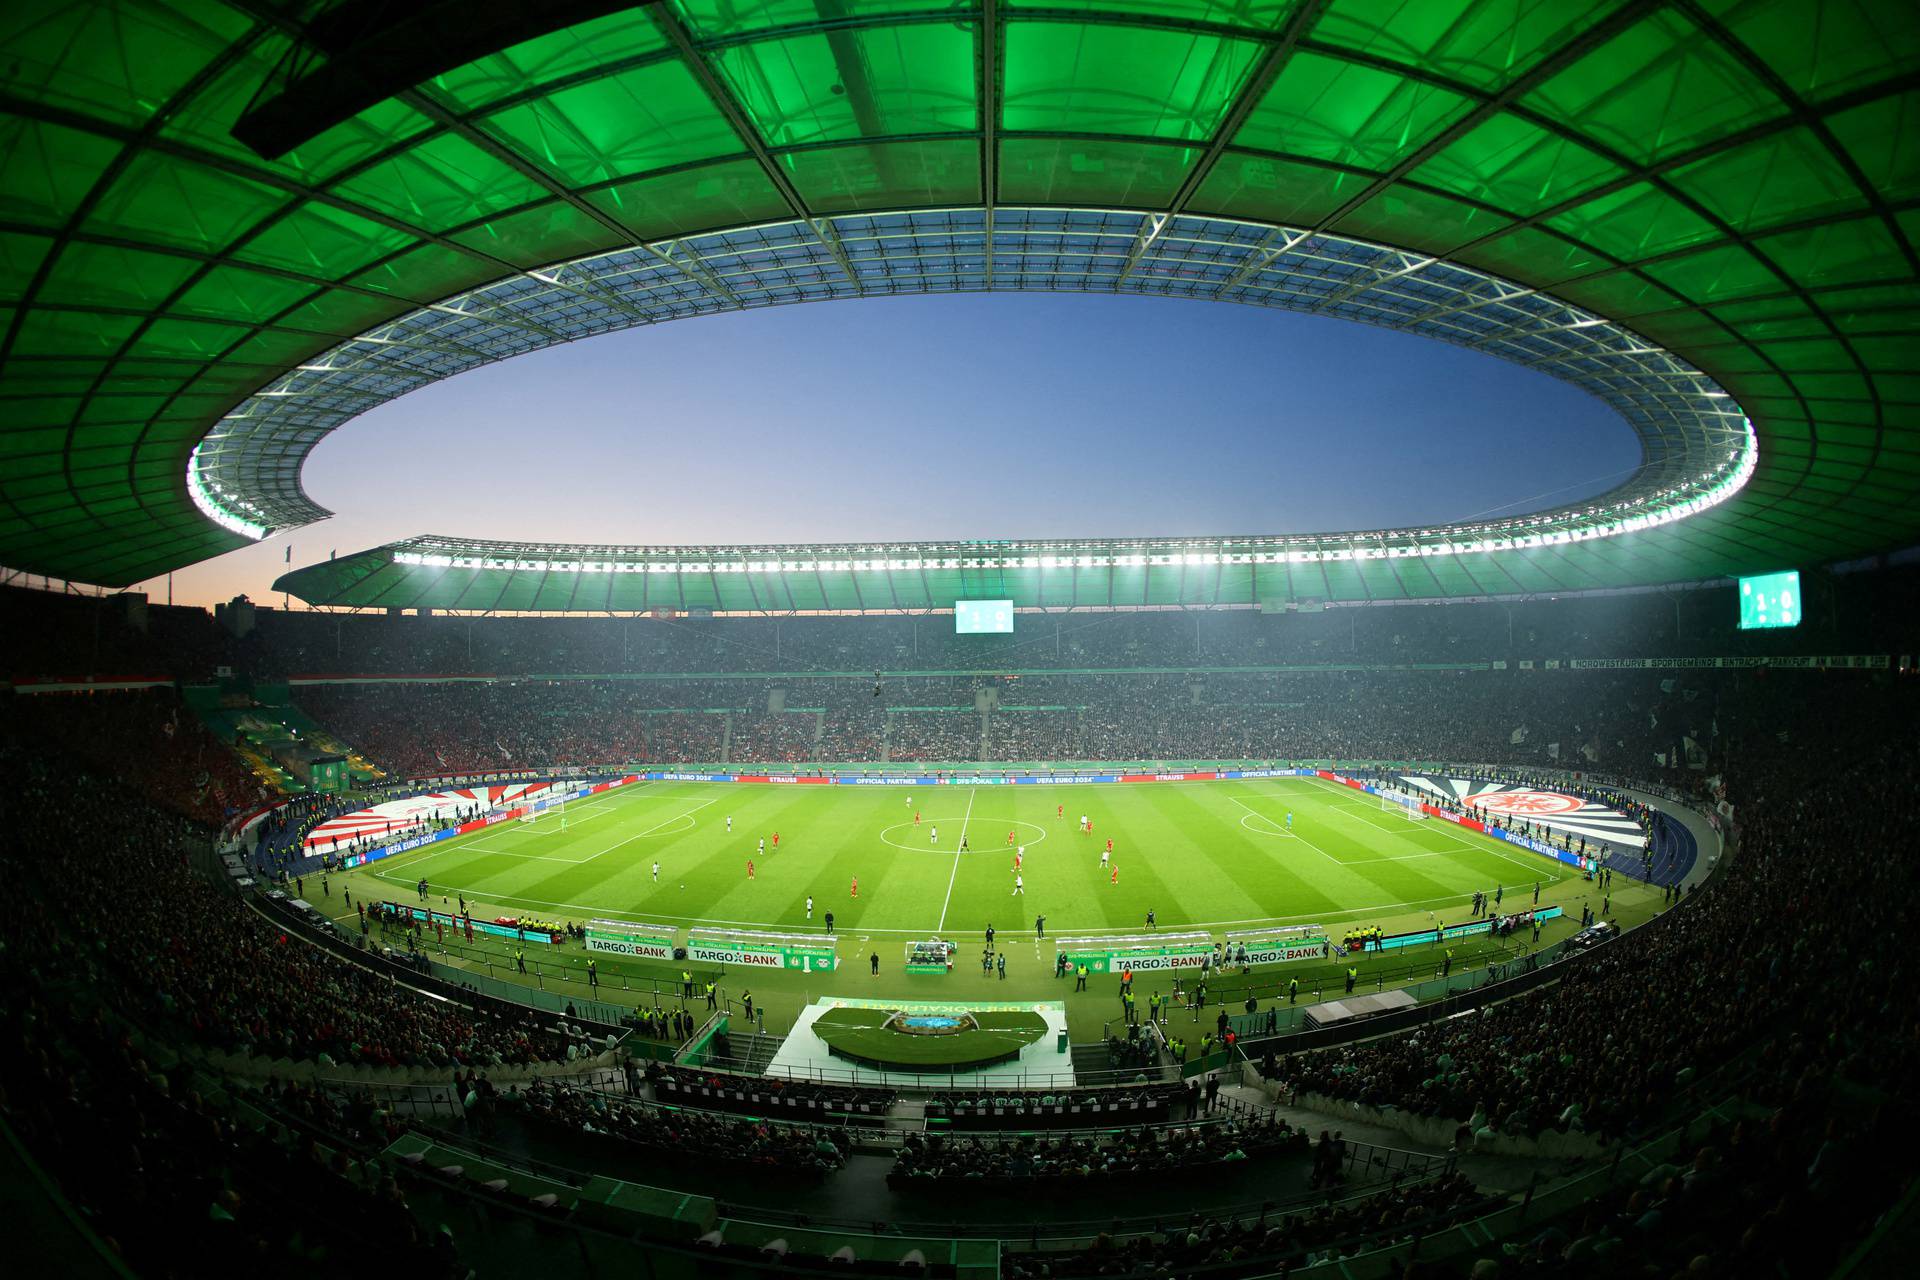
1696	209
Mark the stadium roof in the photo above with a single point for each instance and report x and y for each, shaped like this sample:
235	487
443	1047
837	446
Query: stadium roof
230	227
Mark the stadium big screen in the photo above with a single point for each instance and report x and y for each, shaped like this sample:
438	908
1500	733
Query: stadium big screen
1770	600
982	617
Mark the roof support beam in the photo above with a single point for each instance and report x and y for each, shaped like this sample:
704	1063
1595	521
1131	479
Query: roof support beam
1278	54
743	127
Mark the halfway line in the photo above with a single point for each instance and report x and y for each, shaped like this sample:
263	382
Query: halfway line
971	792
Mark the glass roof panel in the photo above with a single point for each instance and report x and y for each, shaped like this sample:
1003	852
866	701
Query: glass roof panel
886	175
1346	113
865	84
1824	49
555	56
48	170
731	193
172	202
75	55
1484	43
1655	89
114	276
1270	190
1883	138
1633	222
724	18
444	182
1066	171
653	117
235	291
1063	78
183	274
1421	220
548	233
1515	165
1782	177
322	241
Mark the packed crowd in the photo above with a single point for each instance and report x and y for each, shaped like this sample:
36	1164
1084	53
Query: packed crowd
145	738
1133	1151
1642	723
1275	1243
659	1074
931	735
797	1147
1766	944
186	953
162	1167
50	634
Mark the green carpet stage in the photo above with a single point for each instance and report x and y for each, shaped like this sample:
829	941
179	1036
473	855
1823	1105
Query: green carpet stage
908	1041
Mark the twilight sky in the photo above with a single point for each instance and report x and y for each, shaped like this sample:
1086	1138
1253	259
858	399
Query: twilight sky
969	416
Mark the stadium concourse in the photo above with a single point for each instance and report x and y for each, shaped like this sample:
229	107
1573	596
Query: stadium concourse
1739	1051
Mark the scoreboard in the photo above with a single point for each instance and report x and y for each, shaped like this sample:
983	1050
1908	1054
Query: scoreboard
1770	600
982	617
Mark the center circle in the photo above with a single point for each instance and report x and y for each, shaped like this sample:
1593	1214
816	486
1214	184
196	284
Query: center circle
1031	832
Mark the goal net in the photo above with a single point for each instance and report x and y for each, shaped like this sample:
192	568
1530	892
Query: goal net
554	814
1405	805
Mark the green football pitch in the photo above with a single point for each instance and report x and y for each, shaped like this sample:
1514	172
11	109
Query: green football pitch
1213	856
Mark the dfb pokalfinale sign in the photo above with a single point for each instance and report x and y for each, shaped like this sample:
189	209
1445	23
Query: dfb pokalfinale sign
807	959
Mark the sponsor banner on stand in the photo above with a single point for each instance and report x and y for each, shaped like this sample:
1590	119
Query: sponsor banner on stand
1537	846
1265	953
1425	937
721	951
1138	959
459	923
1799	662
620	940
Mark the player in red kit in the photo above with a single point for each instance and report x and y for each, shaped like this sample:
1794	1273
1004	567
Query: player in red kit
916	817
749	868
1059	811
1009	839
1115	877
776	841
856	886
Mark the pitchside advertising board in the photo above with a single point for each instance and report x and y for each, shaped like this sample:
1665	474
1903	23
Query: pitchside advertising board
807	959
1138	959
637	943
1283	951
458	923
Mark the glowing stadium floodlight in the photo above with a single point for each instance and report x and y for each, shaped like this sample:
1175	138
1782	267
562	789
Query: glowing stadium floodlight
1556	528
218	505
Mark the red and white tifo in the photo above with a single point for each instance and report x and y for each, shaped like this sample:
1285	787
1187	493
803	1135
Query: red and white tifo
1510	804
394	817
1526	804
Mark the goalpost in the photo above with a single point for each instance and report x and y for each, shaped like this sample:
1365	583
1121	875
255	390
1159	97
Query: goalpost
1406	806
556	810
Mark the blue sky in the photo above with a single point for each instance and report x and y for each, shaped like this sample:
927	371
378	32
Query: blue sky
973	416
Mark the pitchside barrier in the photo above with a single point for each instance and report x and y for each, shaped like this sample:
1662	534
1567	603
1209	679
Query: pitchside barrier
750	949
636	941
1262	947
1146	953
